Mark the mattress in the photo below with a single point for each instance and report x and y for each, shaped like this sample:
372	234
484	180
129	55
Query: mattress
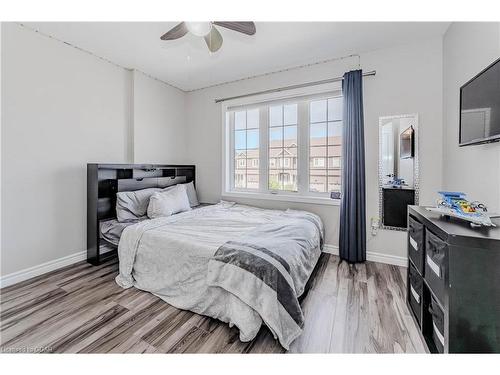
111	230
169	257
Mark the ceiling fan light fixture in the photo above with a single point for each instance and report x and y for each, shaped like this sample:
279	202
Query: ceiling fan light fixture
199	28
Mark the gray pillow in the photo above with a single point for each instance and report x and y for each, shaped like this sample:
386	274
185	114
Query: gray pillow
132	205
191	193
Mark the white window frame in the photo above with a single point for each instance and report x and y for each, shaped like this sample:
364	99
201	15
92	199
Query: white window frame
293	96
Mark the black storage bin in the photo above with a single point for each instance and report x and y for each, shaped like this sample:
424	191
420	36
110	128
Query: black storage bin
415	292
416	243
437	317
436	264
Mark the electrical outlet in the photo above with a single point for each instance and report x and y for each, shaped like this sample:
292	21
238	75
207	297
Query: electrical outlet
374	225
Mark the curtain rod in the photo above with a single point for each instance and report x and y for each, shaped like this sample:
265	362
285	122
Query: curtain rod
292	87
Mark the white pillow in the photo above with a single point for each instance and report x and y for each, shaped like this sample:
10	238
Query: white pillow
168	202
191	192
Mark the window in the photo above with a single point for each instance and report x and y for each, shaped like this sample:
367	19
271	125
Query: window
325	144
289	148
283	147
246	148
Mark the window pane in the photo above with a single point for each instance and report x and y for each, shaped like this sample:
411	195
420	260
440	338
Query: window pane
253	118
276	115
317	181
274	158
290	158
240	159
317	158
334	178
335	109
253	138
240	120
252	179
290	114
274	184
318	111
240	178
276	137
334	132
318	134
290	136
288	179
246	149
335	151
240	139
253	159
334	162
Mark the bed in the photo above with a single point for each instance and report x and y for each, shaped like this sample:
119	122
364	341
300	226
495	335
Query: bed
173	258
243	265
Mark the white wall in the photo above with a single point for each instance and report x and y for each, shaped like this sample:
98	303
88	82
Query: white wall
63	108
159	121
467	49
408	80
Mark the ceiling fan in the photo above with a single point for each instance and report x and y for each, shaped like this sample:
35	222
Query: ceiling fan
208	31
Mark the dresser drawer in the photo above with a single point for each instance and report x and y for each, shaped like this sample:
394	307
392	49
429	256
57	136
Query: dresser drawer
436	264
437	325
416	243
415	292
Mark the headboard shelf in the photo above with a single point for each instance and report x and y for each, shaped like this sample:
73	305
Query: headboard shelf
105	180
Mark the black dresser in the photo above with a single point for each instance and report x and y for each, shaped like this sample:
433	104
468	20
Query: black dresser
453	288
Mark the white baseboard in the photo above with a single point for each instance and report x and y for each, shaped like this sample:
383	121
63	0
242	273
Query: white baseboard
34	271
331	249
52	265
372	256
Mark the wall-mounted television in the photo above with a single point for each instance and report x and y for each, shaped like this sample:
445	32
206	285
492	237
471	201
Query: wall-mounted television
480	107
406	144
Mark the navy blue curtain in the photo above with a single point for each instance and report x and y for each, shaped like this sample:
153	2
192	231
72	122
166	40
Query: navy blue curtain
352	242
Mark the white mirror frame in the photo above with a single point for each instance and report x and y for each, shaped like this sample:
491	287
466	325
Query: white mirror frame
416	182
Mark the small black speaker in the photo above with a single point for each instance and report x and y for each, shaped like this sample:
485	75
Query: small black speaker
335	195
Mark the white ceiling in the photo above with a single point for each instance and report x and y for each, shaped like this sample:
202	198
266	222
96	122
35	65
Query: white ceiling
187	64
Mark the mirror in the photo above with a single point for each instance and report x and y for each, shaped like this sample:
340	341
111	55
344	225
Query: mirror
398	169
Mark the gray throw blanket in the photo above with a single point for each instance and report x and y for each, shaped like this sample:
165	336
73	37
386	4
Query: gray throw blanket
268	269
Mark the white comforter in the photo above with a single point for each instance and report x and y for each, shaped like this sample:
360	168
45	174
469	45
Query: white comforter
169	257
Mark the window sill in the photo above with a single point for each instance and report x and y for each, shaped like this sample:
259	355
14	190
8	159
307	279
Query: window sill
282	197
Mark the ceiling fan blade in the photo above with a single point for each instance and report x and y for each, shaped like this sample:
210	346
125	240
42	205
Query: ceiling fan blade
241	27
176	32
213	40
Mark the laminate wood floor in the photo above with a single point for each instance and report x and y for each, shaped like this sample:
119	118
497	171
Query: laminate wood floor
80	309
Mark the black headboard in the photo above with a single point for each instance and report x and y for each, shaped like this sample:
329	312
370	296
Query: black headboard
105	180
